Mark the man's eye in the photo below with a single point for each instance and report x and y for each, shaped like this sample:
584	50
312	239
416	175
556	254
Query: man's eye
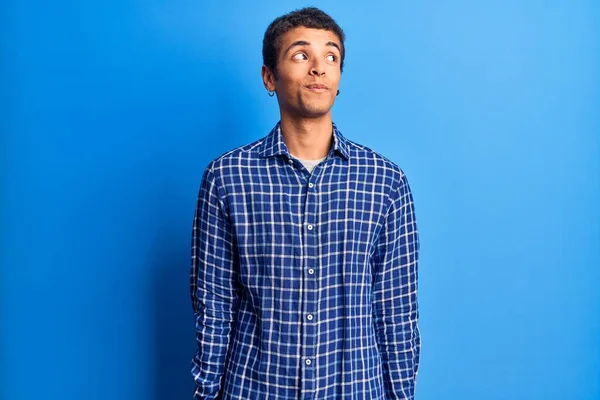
332	57
300	56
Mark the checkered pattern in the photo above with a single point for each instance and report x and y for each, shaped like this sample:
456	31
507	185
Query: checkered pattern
304	285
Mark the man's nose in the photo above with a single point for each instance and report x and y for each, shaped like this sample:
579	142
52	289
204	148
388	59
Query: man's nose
317	68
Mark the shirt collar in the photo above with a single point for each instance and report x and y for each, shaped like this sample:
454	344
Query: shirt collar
273	143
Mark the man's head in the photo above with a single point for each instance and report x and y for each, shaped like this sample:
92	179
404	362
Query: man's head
303	55
309	17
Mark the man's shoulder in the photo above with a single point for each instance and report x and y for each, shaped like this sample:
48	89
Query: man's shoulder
364	156
237	155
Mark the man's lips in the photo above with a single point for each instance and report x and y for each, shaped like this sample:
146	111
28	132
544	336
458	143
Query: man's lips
317	88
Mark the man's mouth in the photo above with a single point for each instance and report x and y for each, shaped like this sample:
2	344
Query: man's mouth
317	88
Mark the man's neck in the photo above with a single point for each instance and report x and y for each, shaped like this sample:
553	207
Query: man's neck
308	139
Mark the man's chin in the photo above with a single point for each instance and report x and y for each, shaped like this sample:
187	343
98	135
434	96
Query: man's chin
307	110
315	111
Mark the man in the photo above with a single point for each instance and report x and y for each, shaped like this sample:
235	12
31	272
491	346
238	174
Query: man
305	247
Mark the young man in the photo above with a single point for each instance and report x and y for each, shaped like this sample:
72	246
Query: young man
305	247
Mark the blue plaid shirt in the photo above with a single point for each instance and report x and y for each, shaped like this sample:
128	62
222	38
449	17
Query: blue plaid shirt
304	285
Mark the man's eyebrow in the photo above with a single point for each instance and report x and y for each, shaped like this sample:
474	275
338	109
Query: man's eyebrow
305	43
334	44
297	43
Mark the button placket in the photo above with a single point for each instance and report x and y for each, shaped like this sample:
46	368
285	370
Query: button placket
310	292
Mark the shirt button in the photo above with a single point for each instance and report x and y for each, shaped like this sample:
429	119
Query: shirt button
309	317
291	161
310	185
310	227
308	361
311	271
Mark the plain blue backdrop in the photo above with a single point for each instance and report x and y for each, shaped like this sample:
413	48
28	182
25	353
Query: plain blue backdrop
111	110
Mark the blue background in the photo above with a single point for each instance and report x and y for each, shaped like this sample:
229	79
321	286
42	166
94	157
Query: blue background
111	110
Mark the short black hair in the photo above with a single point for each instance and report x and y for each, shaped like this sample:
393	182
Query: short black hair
308	17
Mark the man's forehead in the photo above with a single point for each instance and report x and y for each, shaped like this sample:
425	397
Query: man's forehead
302	33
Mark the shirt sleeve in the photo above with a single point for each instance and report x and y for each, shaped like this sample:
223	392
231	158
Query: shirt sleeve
213	287
395	309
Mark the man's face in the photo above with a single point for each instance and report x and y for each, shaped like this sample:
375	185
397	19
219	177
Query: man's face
308	72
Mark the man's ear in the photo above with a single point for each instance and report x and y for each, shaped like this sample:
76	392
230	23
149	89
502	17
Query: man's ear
268	78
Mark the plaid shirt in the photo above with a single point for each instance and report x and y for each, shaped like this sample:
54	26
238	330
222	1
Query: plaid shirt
304	285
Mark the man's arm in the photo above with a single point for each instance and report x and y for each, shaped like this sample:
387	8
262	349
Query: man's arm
213	287
395	308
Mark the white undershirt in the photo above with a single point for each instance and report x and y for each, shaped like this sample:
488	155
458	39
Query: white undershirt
309	164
